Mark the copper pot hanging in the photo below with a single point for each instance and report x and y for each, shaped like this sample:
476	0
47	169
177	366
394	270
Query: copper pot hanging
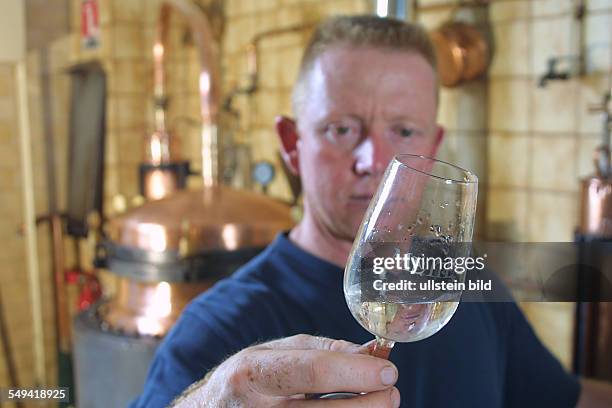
461	51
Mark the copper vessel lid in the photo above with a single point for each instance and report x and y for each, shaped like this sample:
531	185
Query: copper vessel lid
191	222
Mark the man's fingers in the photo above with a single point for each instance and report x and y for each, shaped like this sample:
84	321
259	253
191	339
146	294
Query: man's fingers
307	342
389	398
290	372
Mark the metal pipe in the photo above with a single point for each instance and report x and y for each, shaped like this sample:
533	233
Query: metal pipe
580	14
253	61
253	47
209	86
451	5
59	288
9	356
29	215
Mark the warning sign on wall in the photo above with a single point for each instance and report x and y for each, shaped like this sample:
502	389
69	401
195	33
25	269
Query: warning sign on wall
90	24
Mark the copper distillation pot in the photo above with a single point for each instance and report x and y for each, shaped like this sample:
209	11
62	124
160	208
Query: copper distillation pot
180	242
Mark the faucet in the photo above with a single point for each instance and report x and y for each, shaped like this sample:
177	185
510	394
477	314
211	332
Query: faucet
552	73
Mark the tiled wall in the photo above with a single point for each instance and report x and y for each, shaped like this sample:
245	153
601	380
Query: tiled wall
541	139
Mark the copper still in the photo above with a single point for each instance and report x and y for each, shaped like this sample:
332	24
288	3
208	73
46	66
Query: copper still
180	242
593	323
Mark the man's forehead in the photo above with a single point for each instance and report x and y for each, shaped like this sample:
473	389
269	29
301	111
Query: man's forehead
344	61
348	75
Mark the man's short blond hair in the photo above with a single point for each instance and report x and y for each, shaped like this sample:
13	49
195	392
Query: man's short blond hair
362	31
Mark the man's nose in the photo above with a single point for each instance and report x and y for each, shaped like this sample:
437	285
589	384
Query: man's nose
372	157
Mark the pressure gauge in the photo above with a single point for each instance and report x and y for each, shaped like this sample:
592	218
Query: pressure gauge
263	173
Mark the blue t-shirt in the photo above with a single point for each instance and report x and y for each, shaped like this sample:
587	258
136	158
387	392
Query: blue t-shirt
487	355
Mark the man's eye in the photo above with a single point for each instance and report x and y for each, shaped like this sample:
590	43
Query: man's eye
406	132
342	130
339	132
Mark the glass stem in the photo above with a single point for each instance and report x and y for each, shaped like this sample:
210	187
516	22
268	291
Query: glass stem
382	348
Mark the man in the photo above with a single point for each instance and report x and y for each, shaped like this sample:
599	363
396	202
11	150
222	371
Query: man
367	90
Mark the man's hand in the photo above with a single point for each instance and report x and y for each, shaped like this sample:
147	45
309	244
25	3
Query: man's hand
279	373
595	394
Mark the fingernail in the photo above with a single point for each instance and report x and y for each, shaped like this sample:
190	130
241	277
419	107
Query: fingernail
388	375
395	398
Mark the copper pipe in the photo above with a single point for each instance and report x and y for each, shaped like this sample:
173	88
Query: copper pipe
209	87
59	289
253	52
450	5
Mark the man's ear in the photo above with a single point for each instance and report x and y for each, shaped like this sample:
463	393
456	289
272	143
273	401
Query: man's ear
287	133
438	138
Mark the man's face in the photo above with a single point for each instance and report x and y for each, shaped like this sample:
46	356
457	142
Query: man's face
362	107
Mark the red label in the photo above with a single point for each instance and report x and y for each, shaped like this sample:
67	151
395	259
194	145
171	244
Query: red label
90	24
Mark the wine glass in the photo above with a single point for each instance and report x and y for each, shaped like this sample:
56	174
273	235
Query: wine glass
423	209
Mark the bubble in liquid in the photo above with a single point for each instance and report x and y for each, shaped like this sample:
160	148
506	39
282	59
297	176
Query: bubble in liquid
436	229
419	220
444	204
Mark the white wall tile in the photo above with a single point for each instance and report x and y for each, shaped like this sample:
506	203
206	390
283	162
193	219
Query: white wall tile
512	48
541	8
509	10
554	106
509	104
553	165
598	38
507	214
552	217
508	158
